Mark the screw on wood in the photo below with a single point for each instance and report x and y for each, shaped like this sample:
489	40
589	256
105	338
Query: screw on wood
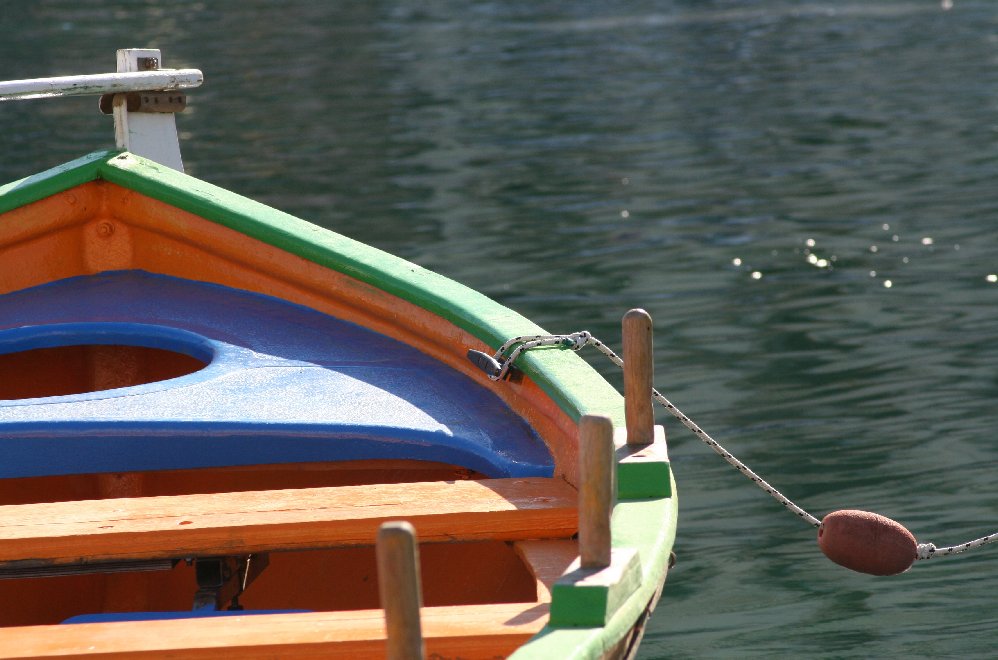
400	591
597	489
639	368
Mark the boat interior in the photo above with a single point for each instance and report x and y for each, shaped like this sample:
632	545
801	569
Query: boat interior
140	485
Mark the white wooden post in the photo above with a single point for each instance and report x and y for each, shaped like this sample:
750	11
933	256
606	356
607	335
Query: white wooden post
152	135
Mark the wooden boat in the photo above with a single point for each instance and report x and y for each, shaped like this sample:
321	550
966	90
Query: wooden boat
209	409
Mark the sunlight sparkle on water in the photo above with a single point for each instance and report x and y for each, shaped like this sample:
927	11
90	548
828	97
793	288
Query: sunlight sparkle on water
756	275
992	278
814	260
736	262
888	284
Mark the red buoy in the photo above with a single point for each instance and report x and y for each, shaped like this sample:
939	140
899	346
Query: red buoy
867	542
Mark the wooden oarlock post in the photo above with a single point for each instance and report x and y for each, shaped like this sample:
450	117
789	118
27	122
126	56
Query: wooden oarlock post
639	374
597	489
400	590
642	454
598	583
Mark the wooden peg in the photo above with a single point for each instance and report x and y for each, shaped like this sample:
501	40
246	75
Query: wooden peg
639	368
400	591
597	489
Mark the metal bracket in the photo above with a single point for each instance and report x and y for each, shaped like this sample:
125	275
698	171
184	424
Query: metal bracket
140	94
222	579
16	570
485	362
146	102
152	135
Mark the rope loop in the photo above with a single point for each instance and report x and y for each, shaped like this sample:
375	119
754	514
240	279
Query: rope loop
575	341
582	340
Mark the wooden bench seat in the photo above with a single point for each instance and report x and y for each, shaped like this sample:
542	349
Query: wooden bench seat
466	631
238	523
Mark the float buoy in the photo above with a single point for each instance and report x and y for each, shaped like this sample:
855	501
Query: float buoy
867	542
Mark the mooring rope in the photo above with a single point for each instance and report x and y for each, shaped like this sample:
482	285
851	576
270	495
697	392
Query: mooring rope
498	365
929	550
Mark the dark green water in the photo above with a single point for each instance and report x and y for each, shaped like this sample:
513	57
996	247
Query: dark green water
573	160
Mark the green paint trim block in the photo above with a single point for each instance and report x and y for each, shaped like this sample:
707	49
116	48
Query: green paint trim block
643	470
649	526
587	597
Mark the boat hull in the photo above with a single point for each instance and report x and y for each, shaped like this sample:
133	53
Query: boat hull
209	359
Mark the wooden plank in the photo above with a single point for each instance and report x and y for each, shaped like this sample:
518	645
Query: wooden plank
548	560
466	631
255	521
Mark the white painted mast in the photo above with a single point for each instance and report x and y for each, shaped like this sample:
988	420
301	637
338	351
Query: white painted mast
142	96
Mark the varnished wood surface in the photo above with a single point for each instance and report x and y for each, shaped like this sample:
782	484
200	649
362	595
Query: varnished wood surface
225	523
639	367
466	631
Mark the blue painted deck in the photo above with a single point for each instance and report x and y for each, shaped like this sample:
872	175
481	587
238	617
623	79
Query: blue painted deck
284	384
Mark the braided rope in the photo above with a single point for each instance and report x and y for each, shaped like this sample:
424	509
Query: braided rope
579	340
929	550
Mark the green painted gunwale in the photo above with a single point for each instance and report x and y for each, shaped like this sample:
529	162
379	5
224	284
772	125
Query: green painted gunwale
575	386
649	525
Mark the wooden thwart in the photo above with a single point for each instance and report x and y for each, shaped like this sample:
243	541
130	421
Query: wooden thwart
468	631
548	560
225	523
